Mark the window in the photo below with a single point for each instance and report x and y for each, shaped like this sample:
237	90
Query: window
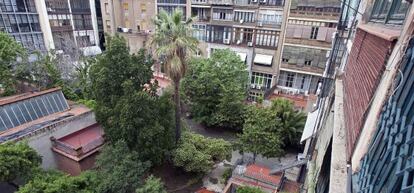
285	60
271	17
289	79
106	8
308	62
125	5
241	17
305	56
108	24
127	24
143	8
223	14
199	32
261	80
314	33
389	11
267	38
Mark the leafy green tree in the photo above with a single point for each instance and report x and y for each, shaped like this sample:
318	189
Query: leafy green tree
126	103
175	44
58	182
10	51
145	122
261	133
113	68
248	189
18	161
152	185
196	153
119	169
292	121
217	88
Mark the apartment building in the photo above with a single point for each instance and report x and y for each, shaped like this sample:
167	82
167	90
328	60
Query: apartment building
52	24
20	19
361	140
131	19
254	29
307	44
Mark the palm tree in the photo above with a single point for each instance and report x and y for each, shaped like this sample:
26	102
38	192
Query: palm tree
174	42
292	121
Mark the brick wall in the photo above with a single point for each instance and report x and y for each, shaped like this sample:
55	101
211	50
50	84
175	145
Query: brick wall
363	72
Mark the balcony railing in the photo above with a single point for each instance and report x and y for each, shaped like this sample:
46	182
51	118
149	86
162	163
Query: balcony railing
222	2
201	2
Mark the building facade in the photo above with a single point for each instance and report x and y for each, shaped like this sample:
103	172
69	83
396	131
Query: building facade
20	19
130	19
253	29
52	24
361	139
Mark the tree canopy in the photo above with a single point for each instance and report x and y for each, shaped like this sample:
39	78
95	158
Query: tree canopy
196	153
58	182
216	89
18	161
152	185
119	169
126	103
267	130
10	51
175	43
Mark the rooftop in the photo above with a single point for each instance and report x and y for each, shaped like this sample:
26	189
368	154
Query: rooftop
25	114
81	143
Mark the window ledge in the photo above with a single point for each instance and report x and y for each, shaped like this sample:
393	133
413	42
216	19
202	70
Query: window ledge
381	31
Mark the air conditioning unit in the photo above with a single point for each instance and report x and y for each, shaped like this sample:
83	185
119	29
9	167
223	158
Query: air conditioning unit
226	41
252	86
260	24
238	42
262	1
250	44
253	1
241	21
259	87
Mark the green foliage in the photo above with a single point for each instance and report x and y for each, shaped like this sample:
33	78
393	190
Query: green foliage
127	112
18	161
216	89
174	42
227	175
89	103
57	182
113	69
152	185
261	133
119	169
267	130
292	121
10	50
248	189
196	153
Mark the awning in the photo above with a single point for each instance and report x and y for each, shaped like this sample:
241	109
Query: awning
309	125
263	59
91	51
242	56
200	6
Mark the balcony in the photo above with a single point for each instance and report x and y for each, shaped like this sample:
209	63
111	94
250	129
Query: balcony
62	28
303	68
202	19
314	15
308	42
200	2
222	2
246	3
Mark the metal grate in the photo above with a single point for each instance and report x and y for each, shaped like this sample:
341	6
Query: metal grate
15	114
389	164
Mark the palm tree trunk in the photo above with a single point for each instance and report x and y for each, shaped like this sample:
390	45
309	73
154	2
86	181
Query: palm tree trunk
177	111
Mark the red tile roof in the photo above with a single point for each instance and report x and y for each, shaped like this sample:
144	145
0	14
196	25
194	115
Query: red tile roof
204	190
262	174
